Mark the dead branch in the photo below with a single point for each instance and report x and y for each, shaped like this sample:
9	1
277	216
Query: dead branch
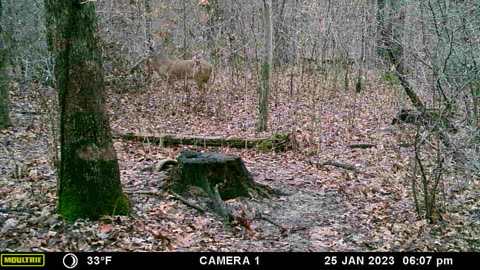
187	203
362	145
261	216
335	164
160	194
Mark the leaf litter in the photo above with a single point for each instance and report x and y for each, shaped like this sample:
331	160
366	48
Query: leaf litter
322	208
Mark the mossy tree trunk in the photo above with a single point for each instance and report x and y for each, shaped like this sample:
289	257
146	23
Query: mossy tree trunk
89	177
4	111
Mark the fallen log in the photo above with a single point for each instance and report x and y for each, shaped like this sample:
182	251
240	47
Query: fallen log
276	142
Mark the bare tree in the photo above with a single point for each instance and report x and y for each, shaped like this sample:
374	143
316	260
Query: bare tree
390	25
434	51
360	85
265	73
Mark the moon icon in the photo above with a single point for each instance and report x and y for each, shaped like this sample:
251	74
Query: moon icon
70	261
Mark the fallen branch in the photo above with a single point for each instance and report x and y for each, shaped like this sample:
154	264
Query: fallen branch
362	145
160	194
278	142
187	203
150	193
261	216
335	164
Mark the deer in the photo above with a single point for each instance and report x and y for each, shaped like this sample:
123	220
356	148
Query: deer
173	70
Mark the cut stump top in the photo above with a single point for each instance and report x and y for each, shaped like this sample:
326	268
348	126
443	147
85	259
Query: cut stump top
206	158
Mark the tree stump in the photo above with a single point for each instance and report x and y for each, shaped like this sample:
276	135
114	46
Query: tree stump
211	171
221	176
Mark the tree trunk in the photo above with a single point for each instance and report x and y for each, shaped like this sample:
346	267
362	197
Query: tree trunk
281	56
185	53
265	73
148	27
392	49
216	16
89	178
4	111
4	101
360	85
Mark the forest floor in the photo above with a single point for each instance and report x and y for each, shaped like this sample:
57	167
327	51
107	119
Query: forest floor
322	208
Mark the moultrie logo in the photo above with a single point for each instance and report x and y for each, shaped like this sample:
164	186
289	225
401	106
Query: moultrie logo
22	260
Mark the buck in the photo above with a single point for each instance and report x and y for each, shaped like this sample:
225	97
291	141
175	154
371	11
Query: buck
174	70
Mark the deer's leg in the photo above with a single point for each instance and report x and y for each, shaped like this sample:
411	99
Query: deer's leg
201	87
171	84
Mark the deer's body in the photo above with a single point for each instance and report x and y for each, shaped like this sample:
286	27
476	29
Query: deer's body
174	70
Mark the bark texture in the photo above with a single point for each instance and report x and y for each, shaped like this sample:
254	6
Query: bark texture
278	142
89	177
4	101
265	73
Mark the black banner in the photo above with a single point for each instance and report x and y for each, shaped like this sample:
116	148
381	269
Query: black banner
248	260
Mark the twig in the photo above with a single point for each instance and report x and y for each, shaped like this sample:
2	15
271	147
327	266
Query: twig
187	203
137	64
143	193
87	1
362	145
282	229
27	112
173	194
335	164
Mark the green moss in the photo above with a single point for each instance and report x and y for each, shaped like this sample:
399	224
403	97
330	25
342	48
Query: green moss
276	141
69	207
235	141
122	206
383	53
72	208
389	77
279	137
90	187
265	146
